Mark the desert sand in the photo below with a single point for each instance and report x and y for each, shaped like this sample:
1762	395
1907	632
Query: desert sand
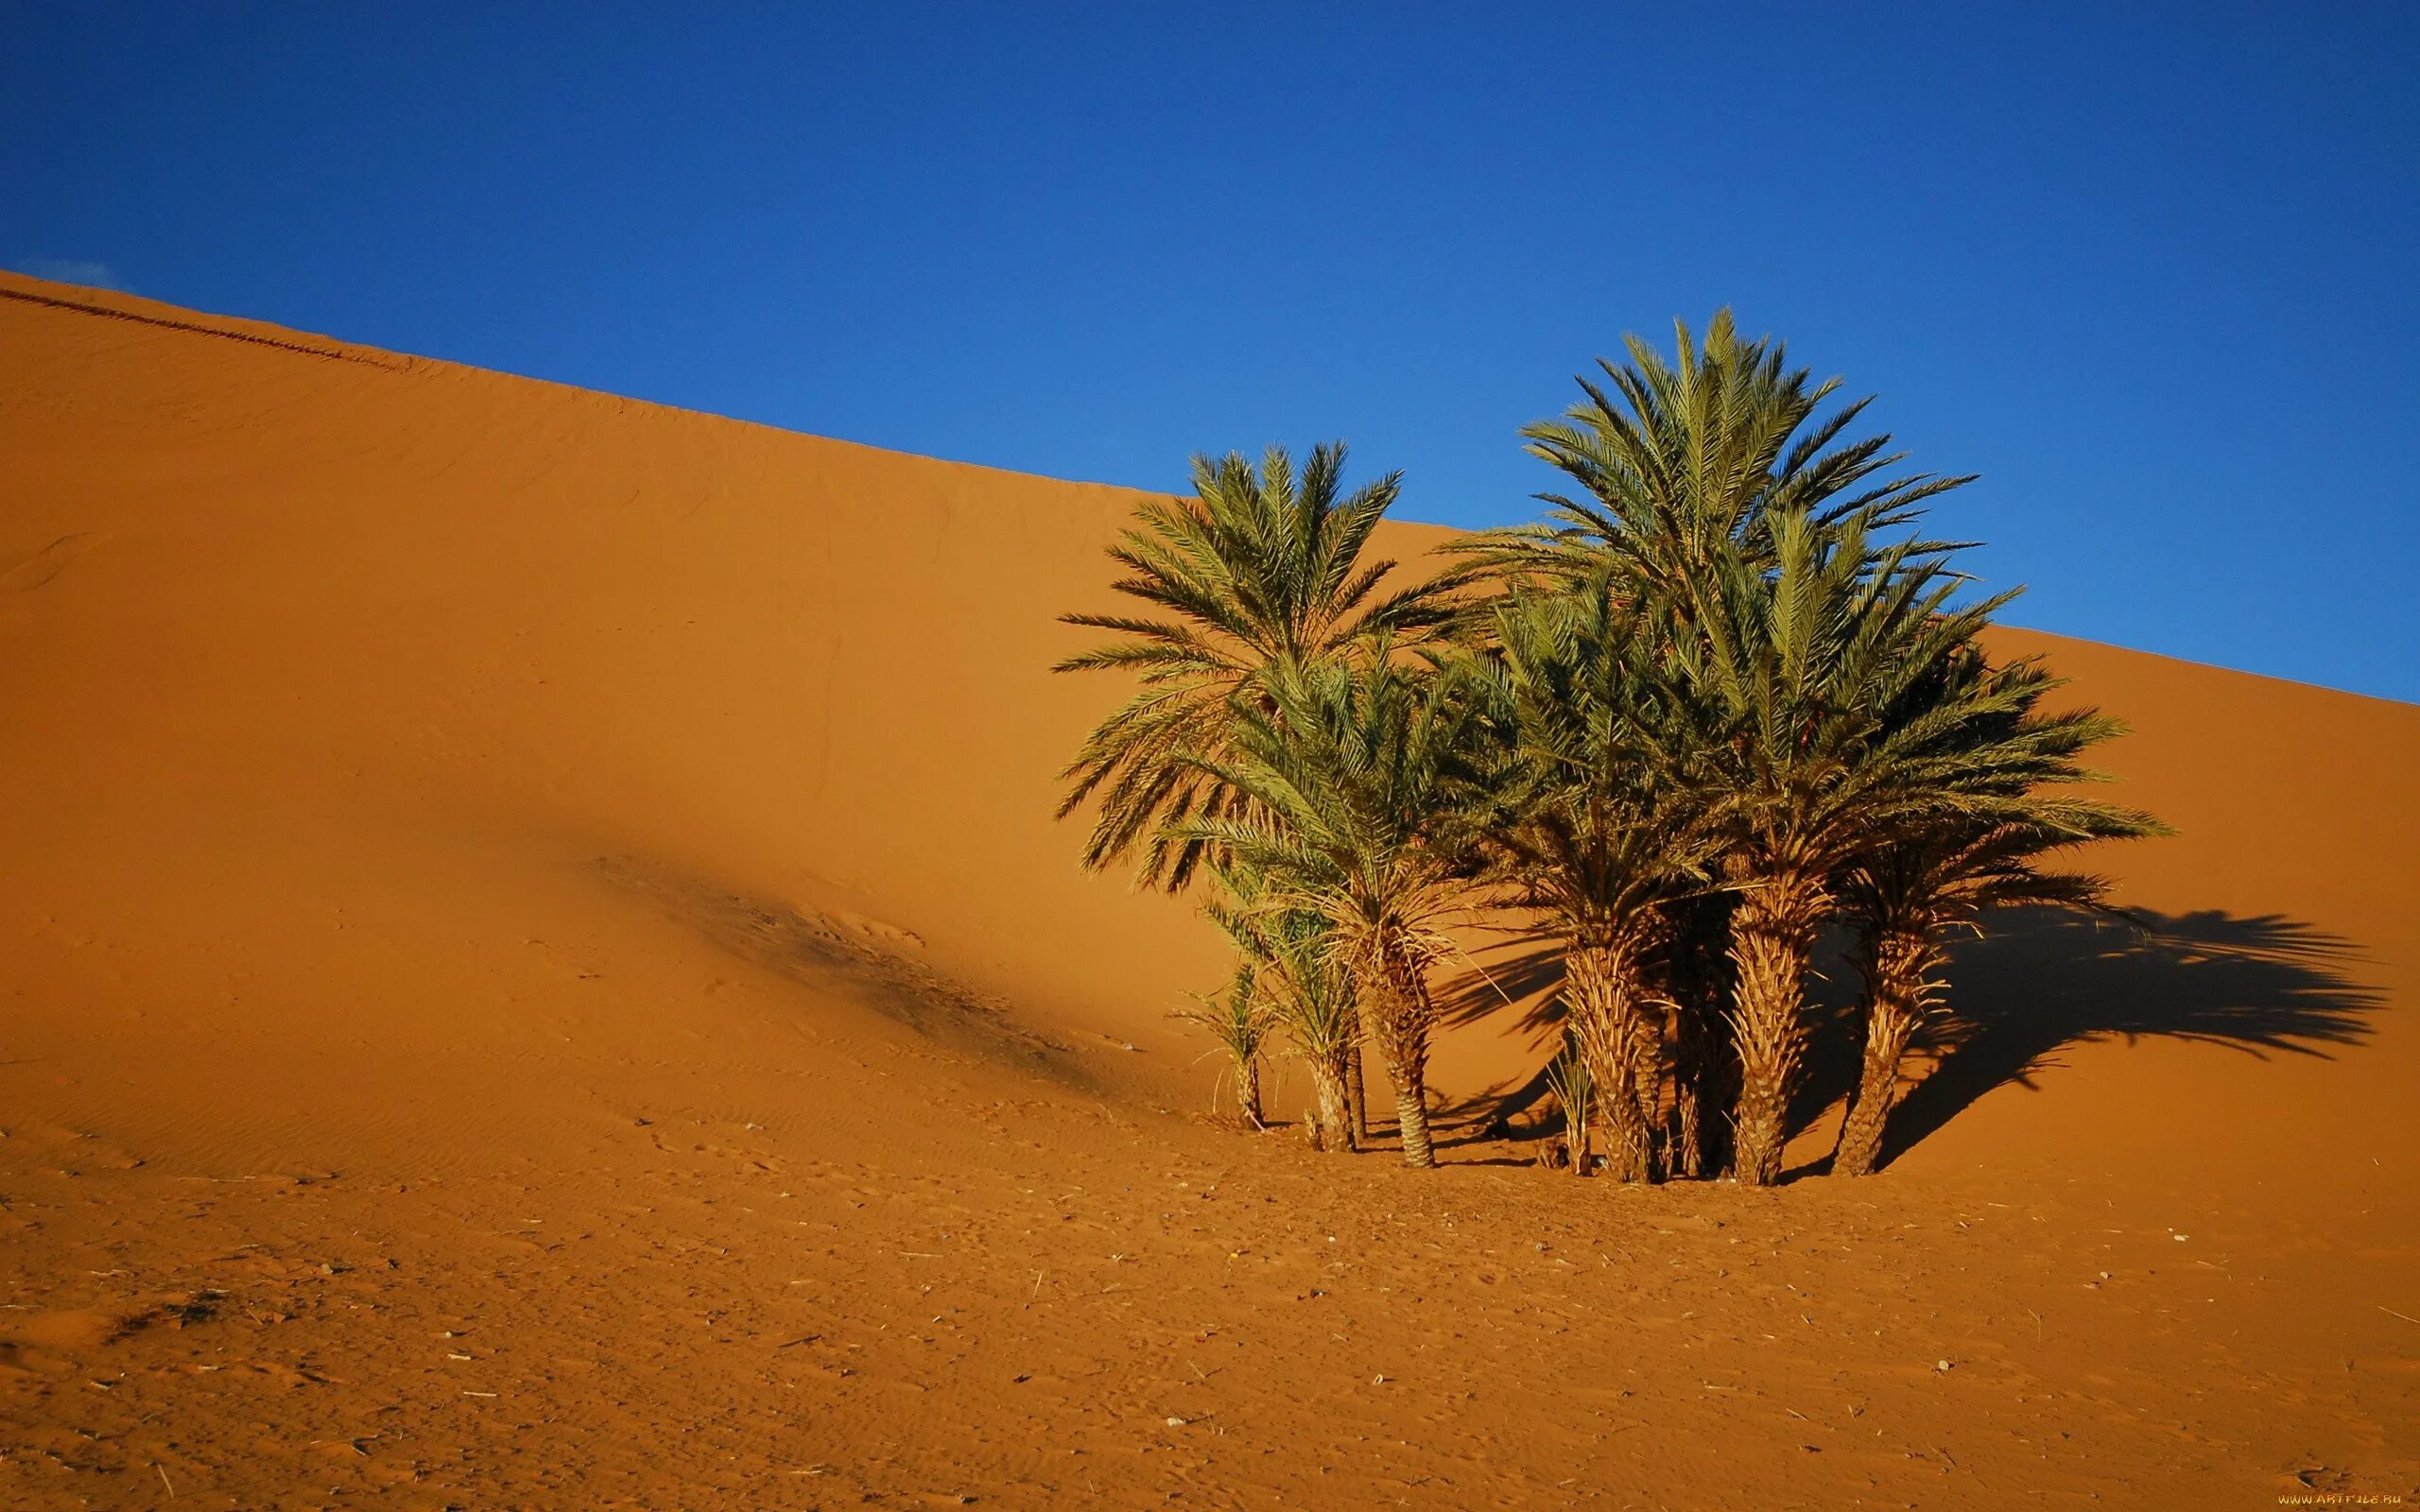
540	973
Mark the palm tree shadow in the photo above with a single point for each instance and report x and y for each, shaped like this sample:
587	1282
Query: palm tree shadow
1522	971
2039	980
1520	974
1493	1115
1835	1038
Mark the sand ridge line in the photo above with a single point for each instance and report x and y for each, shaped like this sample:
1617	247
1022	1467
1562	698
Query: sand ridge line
80	307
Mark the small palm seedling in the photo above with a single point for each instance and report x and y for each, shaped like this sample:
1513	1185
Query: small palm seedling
1303	987
1574	1090
1239	1018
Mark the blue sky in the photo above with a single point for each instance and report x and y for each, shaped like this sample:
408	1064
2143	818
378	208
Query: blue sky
2150	271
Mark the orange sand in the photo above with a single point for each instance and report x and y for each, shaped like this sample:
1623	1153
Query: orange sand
540	974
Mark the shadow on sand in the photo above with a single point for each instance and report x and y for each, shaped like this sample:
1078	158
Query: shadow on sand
2036	982
830	956
1518	977
2041	980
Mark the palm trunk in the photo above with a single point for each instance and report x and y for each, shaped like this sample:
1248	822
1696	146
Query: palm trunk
1602	988
1773	937
1411	1112
1335	1126
1689	1116
1404	1014
1899	966
1357	1095
1701	990
1647	1082
1247	1089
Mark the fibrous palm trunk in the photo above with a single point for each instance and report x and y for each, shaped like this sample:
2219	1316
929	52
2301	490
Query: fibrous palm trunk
1334	1117
1688	1154
1357	1095
1647	1080
1247	1089
1699	981
1602	989
1899	966
1411	1109
1773	937
1401	1015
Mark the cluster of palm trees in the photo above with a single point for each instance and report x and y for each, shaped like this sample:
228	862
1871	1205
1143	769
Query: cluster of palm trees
1725	697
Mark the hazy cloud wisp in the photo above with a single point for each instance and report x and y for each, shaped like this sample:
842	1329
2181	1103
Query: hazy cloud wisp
68	270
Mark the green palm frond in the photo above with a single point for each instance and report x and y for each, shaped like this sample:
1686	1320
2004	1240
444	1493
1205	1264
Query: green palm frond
1264	568
1586	817
1238	1017
2020	768
1354	778
1838	699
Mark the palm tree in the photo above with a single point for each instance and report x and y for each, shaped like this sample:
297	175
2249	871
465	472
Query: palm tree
1590	824
1259	570
1302	987
1921	879
1683	466
1806	682
1240	1020
1316	1007
1354	777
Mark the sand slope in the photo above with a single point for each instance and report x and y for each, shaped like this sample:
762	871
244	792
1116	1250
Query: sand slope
496	860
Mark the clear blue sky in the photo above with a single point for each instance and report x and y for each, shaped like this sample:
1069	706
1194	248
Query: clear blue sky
2150	271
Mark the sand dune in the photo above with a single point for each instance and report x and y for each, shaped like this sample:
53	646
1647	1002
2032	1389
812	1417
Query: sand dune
501	871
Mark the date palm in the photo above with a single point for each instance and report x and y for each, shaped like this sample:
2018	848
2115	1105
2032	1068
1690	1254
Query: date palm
1354	780
1681	465
1921	879
1822	720
1593	826
1301	984
1261	570
1316	1007
1240	1020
